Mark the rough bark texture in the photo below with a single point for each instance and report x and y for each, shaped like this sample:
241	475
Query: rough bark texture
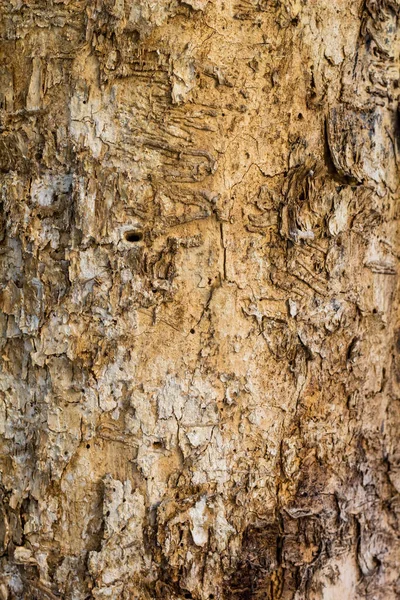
200	336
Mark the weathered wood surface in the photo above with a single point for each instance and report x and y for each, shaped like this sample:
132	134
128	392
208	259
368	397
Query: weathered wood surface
199	388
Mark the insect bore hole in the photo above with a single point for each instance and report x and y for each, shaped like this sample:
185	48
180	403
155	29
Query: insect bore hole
133	236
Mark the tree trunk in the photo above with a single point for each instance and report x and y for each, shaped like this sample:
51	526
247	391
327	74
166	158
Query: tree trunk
199	294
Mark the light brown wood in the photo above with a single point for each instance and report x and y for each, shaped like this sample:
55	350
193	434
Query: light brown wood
199	387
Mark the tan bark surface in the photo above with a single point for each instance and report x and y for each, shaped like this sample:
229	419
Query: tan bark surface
199	300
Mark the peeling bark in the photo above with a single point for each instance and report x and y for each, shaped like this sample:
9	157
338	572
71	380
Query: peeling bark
199	386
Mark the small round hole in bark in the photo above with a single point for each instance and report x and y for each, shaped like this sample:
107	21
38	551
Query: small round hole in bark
300	116
133	236
192	331
88	446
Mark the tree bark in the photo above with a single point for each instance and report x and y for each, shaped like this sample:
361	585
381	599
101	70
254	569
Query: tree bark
200	372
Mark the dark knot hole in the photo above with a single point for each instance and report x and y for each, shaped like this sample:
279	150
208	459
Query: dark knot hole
133	236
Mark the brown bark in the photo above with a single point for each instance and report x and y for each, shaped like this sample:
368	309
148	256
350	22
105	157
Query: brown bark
199	387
